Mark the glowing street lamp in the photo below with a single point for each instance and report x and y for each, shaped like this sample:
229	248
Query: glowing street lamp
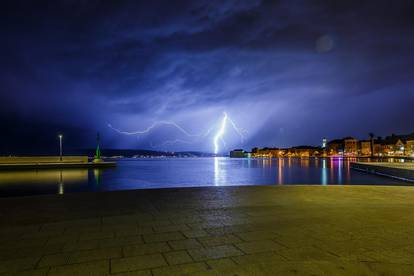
60	144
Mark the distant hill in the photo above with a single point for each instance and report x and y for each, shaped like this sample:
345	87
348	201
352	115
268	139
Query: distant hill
143	153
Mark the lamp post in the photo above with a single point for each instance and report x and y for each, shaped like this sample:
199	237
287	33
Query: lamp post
60	144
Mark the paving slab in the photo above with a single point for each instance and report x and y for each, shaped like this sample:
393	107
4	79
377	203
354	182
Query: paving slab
145	249
184	269
185	244
137	263
178	257
214	252
219	240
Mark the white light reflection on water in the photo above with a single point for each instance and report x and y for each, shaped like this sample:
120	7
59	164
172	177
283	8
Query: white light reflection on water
280	171
61	184
219	171
324	178
340	163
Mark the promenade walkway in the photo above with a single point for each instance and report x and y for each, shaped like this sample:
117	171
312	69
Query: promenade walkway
402	171
291	230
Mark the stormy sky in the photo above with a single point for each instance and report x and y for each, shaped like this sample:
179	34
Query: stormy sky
161	74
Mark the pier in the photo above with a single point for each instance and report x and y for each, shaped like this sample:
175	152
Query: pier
50	162
401	171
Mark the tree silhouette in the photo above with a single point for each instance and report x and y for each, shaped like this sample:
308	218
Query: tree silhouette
371	136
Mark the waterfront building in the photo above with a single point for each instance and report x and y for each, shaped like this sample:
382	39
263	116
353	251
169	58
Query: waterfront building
365	148
347	146
335	147
409	147
237	153
304	151
397	145
267	153
408	141
350	146
394	145
301	151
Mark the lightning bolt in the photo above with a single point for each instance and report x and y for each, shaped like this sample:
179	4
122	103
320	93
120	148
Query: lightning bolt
218	137
220	133
154	125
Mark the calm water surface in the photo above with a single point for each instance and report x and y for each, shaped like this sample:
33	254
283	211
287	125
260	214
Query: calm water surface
187	172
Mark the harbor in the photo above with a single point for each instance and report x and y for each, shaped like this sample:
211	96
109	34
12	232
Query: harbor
150	173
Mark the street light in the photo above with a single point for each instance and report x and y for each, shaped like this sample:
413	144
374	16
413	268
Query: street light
60	143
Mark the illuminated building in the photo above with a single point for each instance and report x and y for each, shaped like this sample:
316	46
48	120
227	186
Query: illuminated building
397	145
304	151
335	147
300	151
409	147
394	145
347	146
266	153
365	148
350	146
239	153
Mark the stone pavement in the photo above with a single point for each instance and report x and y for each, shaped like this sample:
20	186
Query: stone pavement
256	230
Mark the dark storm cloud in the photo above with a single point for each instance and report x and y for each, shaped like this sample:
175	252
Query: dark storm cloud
287	71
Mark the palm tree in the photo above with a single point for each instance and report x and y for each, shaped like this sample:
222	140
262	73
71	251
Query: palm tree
371	136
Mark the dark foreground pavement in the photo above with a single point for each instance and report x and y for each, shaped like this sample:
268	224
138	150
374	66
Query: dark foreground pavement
295	230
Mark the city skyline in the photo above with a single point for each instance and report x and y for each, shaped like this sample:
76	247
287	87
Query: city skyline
286	73
376	146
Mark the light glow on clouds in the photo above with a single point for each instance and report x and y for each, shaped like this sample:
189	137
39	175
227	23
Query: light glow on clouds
306	67
190	138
